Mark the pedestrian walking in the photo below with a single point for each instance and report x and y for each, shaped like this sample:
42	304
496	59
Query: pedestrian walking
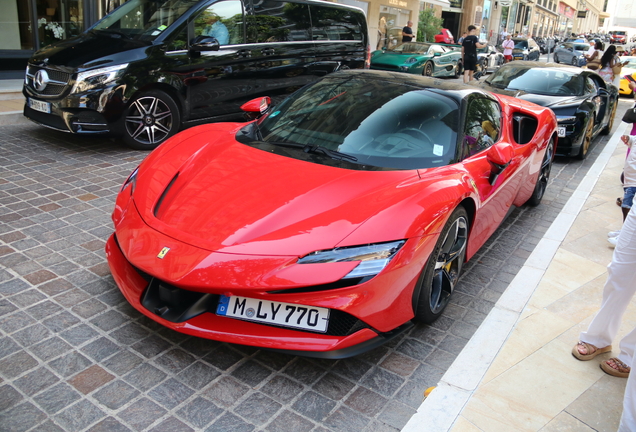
469	53
508	46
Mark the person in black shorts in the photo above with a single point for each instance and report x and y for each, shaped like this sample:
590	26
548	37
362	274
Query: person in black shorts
469	53
407	32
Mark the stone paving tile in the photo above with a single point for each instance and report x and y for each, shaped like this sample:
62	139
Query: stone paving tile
74	355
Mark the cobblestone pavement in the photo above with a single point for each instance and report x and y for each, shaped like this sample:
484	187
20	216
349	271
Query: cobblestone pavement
75	356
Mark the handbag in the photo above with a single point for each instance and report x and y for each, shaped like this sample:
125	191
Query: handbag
616	69
630	115
594	64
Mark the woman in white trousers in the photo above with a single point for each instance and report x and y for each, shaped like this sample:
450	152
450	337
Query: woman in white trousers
617	293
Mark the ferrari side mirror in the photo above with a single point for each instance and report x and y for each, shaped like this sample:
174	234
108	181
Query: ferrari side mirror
499	156
256	107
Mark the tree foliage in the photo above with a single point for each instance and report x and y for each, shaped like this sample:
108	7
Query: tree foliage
428	26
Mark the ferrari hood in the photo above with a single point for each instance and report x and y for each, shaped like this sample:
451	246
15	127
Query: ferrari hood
233	198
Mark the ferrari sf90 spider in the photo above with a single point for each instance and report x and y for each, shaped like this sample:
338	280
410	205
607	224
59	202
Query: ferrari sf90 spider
333	221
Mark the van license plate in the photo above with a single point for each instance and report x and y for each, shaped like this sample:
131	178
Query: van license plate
561	131
41	106
276	313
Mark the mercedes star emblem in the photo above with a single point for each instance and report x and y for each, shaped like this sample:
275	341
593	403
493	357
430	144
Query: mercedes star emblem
40	80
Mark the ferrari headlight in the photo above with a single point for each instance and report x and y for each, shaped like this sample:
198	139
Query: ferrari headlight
97	77
373	258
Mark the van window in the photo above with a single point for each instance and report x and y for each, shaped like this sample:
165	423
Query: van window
278	21
223	21
143	19
335	24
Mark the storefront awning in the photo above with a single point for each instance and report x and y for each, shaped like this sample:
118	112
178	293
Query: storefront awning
442	3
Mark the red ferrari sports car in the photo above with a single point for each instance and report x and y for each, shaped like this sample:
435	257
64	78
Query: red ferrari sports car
333	221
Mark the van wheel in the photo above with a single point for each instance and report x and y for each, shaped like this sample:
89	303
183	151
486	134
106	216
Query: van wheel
443	268
151	118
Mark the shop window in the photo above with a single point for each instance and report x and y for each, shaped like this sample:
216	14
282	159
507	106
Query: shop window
58	20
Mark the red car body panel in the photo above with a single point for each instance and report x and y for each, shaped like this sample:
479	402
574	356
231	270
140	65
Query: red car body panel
236	219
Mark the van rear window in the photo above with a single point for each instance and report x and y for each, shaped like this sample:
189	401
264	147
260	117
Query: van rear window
278	21
335	24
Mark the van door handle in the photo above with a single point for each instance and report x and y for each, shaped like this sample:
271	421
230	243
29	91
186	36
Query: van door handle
244	53
268	51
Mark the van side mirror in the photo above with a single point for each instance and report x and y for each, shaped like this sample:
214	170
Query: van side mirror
204	43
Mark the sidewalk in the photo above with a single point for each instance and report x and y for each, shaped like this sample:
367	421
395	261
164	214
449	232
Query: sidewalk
517	373
11	102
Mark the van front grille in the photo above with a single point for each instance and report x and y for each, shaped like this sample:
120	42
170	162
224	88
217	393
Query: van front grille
58	81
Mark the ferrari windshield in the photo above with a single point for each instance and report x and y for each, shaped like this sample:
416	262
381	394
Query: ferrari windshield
143	20
411	48
554	82
380	123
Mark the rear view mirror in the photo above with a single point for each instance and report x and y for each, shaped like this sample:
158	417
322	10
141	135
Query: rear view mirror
204	43
256	107
499	156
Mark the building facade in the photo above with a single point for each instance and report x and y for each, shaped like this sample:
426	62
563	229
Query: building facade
27	25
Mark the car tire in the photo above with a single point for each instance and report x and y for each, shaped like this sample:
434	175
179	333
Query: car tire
555	58
459	69
575	61
543	177
150	119
443	268
587	139
428	69
607	129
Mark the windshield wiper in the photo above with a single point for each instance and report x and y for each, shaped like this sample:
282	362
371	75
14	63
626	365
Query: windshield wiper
317	149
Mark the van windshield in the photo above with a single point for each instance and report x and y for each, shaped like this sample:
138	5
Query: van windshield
143	20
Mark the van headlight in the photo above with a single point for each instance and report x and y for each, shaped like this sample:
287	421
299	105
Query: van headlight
97	77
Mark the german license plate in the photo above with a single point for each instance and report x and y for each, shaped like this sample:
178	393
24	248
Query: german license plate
276	313
41	106
561	131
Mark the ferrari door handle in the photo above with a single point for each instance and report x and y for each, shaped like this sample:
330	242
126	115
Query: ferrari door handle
244	53
268	51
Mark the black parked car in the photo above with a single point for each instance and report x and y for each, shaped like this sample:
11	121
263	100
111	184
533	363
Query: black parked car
151	67
584	104
525	49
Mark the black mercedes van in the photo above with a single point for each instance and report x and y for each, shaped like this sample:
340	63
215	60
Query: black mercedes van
151	67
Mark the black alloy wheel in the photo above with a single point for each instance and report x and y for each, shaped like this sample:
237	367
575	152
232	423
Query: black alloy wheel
543	177
587	139
610	122
443	268
151	118
428	69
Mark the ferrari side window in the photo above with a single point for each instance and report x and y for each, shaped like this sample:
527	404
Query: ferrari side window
482	127
590	86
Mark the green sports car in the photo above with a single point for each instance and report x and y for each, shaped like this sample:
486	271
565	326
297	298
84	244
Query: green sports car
430	59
